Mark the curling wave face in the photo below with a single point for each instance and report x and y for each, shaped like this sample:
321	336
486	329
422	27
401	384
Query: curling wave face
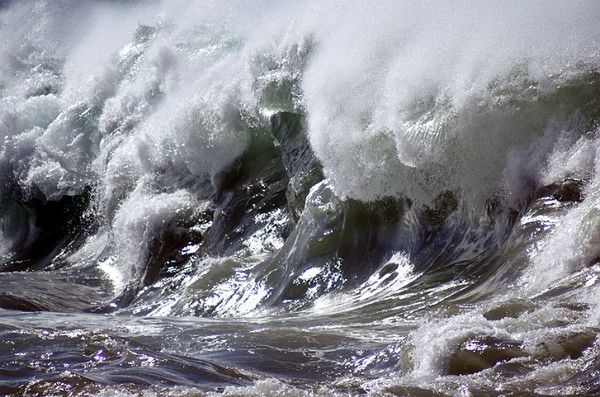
260	198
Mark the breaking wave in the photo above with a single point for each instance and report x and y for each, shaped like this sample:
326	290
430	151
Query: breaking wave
300	198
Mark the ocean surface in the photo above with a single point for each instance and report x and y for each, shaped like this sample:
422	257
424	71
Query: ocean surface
299	198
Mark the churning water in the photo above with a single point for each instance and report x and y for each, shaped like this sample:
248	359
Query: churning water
299	198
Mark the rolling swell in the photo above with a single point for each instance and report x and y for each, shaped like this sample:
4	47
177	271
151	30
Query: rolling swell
239	200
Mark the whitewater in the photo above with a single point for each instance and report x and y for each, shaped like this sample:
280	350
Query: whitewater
310	198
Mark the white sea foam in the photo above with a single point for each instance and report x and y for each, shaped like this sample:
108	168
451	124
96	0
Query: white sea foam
148	101
406	92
